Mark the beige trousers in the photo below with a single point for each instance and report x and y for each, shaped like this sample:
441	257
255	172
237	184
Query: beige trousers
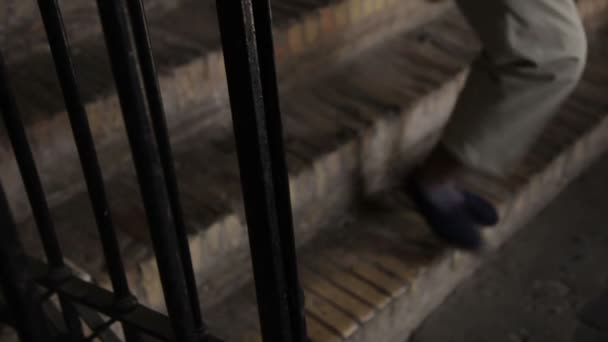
533	55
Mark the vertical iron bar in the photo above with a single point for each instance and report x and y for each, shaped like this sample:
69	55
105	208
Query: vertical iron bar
263	27
35	193
139	27
60	49
17	286
257	130
148	168
27	167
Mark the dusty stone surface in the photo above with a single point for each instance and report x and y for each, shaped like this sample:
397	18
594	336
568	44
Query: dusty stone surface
360	102
185	41
7	334
346	133
549	284
25	33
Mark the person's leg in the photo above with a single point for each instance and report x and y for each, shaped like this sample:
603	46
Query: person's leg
534	52
533	55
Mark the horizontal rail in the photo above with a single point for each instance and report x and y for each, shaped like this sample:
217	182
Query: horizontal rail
139	317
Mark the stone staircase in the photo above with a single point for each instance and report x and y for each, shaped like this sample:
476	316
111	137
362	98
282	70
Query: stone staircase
366	86
191	72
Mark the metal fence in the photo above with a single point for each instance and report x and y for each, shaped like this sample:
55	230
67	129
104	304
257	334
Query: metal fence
28	284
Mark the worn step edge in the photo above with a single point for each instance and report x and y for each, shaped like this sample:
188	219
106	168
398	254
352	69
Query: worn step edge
231	229
23	20
220	252
406	313
342	29
217	249
399	308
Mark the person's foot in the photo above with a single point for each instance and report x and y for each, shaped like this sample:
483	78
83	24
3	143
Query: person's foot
482	210
454	215
444	210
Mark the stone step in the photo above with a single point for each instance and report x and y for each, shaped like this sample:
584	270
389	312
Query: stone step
346	134
381	272
25	33
185	41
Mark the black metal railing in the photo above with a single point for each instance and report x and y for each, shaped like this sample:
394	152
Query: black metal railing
28	284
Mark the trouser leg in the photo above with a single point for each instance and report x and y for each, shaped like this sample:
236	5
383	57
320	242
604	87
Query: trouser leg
533	55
